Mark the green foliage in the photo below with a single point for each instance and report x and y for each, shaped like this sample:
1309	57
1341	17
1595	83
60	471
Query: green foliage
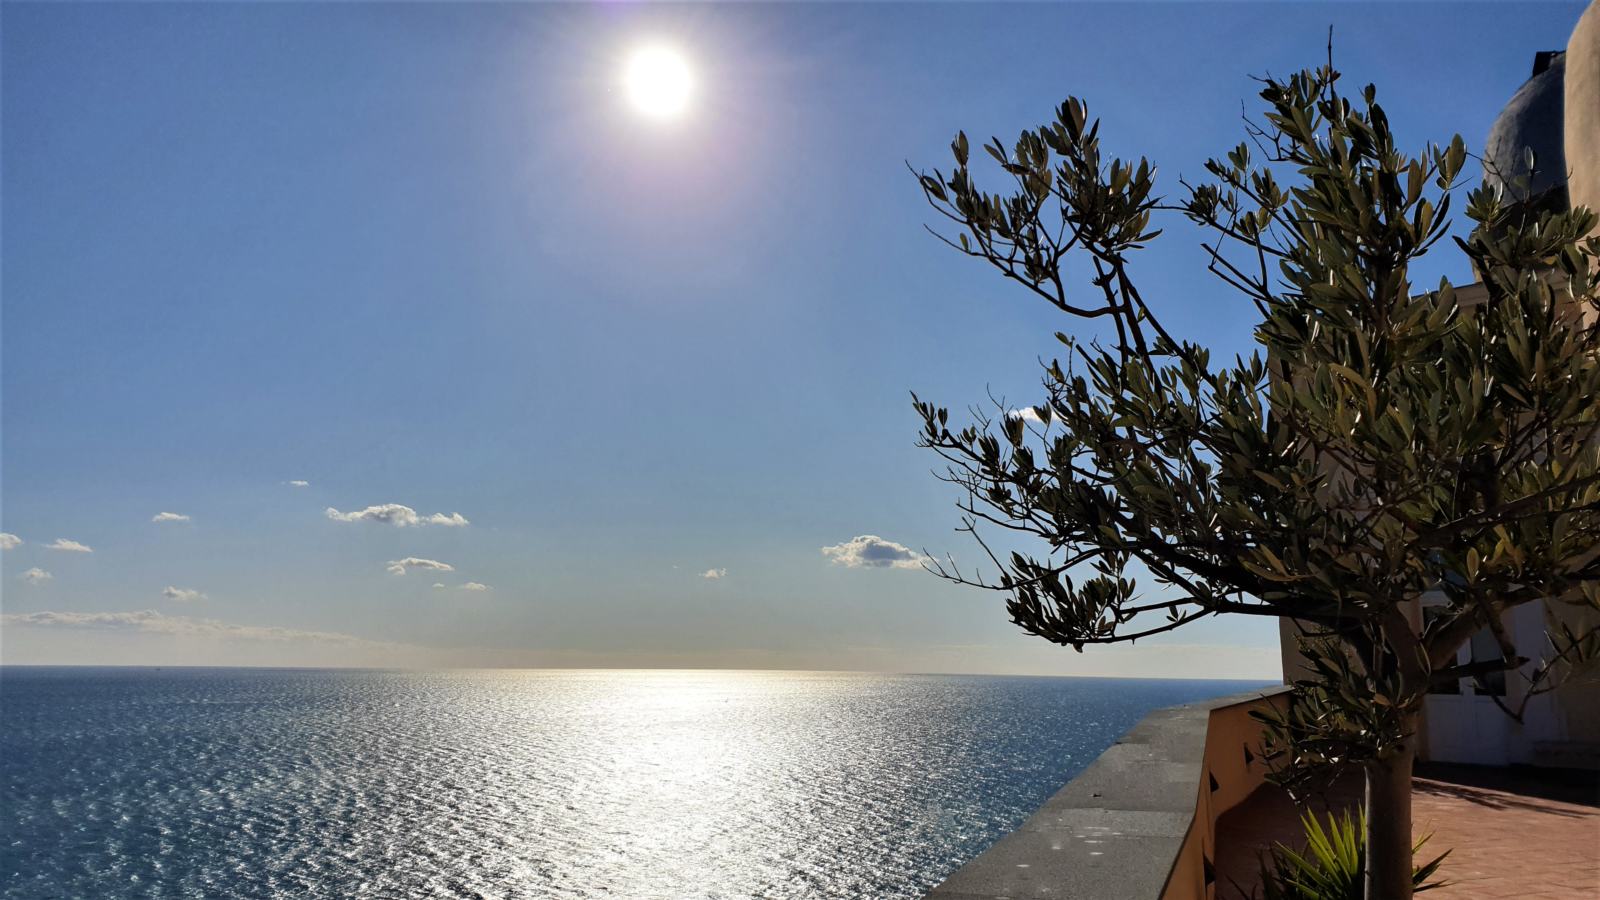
1342	715
1385	442
1330	866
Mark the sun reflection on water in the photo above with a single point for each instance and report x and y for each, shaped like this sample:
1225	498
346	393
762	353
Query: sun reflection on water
531	784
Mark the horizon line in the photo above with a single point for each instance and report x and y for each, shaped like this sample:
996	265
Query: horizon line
6	665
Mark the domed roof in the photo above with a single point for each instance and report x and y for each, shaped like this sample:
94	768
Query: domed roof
1531	121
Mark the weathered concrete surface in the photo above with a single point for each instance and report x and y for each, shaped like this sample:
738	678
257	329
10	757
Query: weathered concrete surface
1113	832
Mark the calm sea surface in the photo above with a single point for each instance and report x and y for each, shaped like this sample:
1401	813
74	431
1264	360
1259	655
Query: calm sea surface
301	783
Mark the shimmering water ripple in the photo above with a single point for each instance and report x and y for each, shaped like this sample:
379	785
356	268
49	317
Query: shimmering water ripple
523	784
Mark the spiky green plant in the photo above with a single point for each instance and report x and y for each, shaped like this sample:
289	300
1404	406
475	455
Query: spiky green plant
1330	866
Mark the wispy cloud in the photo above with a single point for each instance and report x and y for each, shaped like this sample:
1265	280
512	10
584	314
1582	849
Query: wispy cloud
299	483
69	546
402	566
182	595
714	574
151	621
36	575
869	551
9	541
169	517
474	586
397	515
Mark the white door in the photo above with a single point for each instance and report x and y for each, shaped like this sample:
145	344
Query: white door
1464	723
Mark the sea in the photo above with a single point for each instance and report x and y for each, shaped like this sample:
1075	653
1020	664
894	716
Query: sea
630	785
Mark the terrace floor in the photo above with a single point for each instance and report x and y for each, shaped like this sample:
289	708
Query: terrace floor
1530	834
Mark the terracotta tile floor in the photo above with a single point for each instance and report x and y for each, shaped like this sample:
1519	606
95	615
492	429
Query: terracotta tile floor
1518	833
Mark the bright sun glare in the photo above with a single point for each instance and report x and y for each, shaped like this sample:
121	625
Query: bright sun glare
659	82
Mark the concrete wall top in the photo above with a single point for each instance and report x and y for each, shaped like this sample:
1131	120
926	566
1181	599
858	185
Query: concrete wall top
1116	831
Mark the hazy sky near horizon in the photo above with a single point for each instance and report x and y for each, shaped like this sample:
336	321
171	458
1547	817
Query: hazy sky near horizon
279	269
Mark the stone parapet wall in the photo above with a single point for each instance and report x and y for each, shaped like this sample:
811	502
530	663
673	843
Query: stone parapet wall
1140	822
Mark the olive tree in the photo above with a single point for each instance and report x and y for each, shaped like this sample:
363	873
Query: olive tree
1383	446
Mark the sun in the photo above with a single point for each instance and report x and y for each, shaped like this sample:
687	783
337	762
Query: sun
659	82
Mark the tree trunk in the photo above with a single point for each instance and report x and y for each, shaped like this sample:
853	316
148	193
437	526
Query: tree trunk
1389	863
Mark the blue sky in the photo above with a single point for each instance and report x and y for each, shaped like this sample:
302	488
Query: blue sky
426	255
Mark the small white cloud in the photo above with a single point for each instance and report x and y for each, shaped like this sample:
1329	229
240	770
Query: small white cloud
397	515
714	574
869	551
69	546
392	513
36	575
1030	415
182	595
169	517
474	586
298	483
438	585
9	541
402	566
